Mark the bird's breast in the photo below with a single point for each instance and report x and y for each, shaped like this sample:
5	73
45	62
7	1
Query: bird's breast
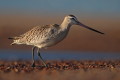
56	38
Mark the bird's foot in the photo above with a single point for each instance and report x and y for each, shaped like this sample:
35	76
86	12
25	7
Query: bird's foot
33	65
44	66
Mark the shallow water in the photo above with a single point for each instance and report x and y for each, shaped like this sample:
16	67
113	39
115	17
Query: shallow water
58	55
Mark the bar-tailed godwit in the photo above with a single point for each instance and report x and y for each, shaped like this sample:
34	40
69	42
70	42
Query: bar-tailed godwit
48	35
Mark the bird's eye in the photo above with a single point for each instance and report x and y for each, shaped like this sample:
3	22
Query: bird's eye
72	18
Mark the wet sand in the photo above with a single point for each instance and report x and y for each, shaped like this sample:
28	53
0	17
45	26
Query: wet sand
60	70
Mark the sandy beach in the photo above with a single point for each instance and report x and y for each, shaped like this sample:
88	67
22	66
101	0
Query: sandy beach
60	70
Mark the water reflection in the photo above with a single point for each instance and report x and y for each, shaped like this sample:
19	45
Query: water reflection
58	55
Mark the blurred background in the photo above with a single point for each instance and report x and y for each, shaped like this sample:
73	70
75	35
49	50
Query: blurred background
19	16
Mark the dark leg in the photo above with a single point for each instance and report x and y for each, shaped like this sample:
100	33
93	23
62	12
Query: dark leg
38	51
33	61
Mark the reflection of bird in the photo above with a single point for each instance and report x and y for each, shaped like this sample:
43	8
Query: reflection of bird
48	35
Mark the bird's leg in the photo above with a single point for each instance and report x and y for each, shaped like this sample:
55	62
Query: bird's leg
33	61
38	51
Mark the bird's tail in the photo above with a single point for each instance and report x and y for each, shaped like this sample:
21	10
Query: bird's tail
12	38
16	40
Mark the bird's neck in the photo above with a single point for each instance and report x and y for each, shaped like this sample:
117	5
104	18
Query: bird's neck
65	25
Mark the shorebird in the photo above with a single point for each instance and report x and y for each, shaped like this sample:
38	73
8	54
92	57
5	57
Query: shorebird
48	35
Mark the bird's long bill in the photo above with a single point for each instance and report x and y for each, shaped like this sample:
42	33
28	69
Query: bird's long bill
89	28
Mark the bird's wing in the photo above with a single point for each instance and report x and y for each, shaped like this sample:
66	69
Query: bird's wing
38	34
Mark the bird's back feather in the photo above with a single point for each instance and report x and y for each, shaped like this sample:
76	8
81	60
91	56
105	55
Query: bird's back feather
36	35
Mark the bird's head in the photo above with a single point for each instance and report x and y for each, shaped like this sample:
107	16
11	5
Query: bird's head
72	20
